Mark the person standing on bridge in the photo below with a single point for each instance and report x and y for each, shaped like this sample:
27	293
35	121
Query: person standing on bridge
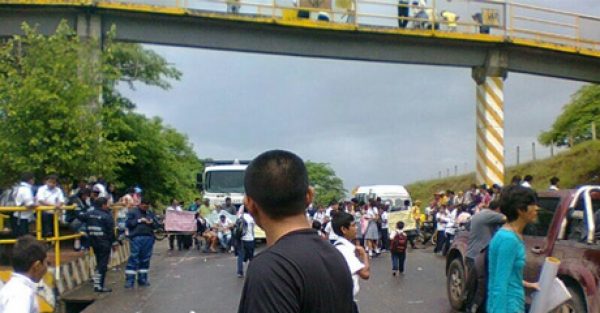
298	272
100	227
30	264
141	223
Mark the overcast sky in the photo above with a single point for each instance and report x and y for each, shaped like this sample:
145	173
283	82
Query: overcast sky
373	123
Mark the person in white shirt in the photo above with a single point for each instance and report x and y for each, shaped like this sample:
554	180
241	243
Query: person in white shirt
49	195
385	239
333	206
356	257
24	197
30	264
554	181
331	235
527	181
224	226
371	234
440	216
100	188
175	207
246	246
320	215
450	220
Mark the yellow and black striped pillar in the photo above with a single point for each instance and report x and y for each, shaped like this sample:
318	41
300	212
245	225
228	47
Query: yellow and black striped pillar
490	131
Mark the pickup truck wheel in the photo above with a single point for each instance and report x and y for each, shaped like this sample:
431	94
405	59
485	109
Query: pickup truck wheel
575	305
455	284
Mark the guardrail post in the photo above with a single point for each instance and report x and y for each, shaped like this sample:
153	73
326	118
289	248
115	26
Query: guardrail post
490	118
56	247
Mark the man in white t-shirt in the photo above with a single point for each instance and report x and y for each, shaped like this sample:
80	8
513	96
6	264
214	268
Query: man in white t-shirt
333	206
356	257
24	197
224	226
49	195
30	264
385	236
246	246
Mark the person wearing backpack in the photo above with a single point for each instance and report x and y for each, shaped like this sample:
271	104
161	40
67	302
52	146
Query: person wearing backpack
244	236
398	248
22	195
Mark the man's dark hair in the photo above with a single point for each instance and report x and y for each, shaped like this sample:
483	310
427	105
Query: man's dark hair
196	199
227	199
26	252
316	225
515	199
332	202
145	201
27	176
339	220
100	202
84	191
528	178
554	180
278	181
53	177
494	205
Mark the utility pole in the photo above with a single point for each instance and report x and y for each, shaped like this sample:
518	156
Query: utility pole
533	150
518	155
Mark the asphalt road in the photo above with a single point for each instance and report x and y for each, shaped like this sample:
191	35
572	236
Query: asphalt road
190	281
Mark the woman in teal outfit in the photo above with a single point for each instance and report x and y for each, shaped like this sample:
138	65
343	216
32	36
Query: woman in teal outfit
506	287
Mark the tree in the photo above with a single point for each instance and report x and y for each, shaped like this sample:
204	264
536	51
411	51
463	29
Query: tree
46	123
574	123
165	164
327	185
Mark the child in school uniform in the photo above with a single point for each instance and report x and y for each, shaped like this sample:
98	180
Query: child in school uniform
398	245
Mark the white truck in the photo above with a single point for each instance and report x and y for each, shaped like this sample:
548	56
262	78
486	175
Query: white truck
223	179
395	194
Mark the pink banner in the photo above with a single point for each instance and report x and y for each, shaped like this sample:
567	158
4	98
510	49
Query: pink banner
183	221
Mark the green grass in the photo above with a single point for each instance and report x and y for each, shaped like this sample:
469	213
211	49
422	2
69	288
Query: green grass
577	166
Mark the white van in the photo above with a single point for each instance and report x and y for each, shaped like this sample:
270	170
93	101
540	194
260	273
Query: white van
395	194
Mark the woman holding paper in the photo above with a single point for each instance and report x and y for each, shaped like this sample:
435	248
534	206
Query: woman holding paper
506	293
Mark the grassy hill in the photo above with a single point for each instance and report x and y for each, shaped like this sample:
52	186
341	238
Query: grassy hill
577	166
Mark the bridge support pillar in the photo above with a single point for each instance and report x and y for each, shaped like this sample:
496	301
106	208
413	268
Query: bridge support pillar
490	119
89	29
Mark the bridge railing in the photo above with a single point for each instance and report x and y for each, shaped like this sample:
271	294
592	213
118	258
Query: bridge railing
506	20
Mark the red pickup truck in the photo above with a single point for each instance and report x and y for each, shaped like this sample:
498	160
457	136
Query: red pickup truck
567	229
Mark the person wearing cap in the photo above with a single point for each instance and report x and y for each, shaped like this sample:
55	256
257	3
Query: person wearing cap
141	223
74	217
137	196
100	228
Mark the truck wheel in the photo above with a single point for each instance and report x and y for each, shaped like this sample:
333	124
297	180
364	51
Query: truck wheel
575	305
455	284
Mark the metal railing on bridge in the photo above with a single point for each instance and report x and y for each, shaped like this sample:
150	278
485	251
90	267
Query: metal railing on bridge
484	20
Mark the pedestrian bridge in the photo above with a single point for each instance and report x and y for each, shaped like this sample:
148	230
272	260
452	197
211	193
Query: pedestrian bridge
522	38
527	39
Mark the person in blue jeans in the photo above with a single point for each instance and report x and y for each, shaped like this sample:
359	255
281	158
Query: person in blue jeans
245	244
398	246
506	287
141	223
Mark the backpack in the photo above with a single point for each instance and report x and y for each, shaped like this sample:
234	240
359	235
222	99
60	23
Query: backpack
399	243
239	228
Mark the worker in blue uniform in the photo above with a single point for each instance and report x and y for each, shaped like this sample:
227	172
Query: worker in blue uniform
100	228
141	223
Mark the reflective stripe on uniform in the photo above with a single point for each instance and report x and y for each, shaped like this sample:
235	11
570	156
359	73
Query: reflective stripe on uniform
130	272
142	271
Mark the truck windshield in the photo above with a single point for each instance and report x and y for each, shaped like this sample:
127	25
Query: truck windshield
224	182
